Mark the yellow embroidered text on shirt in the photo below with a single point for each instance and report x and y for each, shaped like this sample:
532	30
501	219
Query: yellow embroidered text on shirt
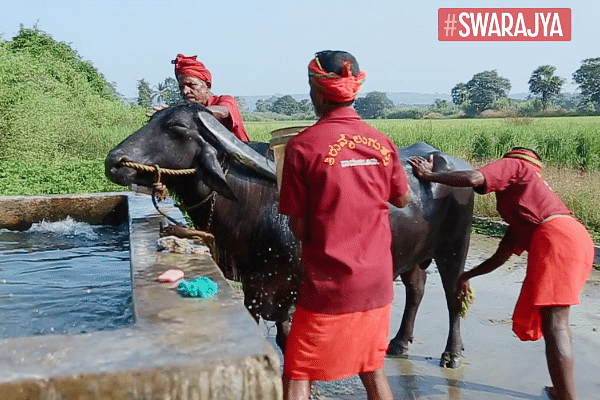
351	143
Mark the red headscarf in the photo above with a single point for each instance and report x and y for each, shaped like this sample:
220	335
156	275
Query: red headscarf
334	87
191	67
526	155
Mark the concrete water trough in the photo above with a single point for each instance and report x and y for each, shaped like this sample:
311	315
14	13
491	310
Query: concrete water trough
177	348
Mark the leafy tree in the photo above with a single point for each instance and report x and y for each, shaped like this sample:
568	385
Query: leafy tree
568	101
306	106
485	88
459	94
407	113
37	43
585	106
112	90
144	94
160	93
373	105
265	105
504	104
528	107
50	97
440	106
543	82
285	105
588	79
168	92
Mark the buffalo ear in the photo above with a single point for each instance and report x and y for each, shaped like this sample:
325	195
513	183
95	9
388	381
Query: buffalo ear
211	171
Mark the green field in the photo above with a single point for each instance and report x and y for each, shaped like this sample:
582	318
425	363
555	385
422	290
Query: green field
565	141
570	147
59	118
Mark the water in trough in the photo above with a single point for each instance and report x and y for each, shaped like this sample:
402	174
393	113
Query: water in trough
65	277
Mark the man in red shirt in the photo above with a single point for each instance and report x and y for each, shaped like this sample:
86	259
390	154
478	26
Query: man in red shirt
195	82
560	252
338	178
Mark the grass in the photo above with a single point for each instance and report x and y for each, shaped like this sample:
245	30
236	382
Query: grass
565	141
570	147
61	177
577	189
59	118
261	131
570	170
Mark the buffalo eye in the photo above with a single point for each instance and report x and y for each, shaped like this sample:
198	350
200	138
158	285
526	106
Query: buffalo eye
179	129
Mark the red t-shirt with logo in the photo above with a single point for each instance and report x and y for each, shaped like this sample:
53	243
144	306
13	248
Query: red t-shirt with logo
234	121
523	199
339	175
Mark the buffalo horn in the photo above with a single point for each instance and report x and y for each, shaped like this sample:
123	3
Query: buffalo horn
243	153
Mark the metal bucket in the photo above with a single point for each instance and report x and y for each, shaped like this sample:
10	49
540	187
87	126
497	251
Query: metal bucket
278	143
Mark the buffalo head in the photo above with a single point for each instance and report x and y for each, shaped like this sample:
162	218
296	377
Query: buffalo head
186	136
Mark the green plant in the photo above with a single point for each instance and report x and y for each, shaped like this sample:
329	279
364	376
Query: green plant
67	177
482	147
54	105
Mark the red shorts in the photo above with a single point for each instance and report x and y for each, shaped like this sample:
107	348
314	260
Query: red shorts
561	255
326	347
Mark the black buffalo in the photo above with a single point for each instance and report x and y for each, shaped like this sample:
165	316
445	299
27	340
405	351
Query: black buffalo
233	195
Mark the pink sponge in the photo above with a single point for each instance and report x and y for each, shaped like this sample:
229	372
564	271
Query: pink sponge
171	275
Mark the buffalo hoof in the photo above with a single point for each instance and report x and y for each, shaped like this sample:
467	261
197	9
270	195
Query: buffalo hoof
397	349
451	360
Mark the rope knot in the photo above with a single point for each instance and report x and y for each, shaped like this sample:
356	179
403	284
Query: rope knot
158	187
160	190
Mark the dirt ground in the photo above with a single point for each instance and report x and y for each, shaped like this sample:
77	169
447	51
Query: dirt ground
497	364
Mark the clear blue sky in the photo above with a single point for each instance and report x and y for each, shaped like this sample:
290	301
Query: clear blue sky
262	47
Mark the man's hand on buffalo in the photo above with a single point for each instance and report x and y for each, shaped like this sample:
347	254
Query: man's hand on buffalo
421	167
155	109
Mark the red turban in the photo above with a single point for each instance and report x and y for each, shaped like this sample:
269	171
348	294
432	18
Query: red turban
191	67
526	155
334	87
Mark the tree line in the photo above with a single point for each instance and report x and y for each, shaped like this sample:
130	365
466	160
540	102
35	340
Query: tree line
166	92
485	91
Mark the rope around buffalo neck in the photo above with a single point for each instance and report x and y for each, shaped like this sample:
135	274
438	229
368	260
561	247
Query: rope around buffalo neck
160	190
158	186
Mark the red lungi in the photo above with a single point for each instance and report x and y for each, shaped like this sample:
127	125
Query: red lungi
325	347
560	259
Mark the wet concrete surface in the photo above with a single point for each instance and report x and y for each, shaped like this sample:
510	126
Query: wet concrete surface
170	353
19	212
497	365
178	348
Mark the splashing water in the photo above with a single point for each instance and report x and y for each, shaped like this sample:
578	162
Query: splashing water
64	277
67	227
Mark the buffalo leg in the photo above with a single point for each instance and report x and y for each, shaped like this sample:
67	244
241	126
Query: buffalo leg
283	330
414	283
449	272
